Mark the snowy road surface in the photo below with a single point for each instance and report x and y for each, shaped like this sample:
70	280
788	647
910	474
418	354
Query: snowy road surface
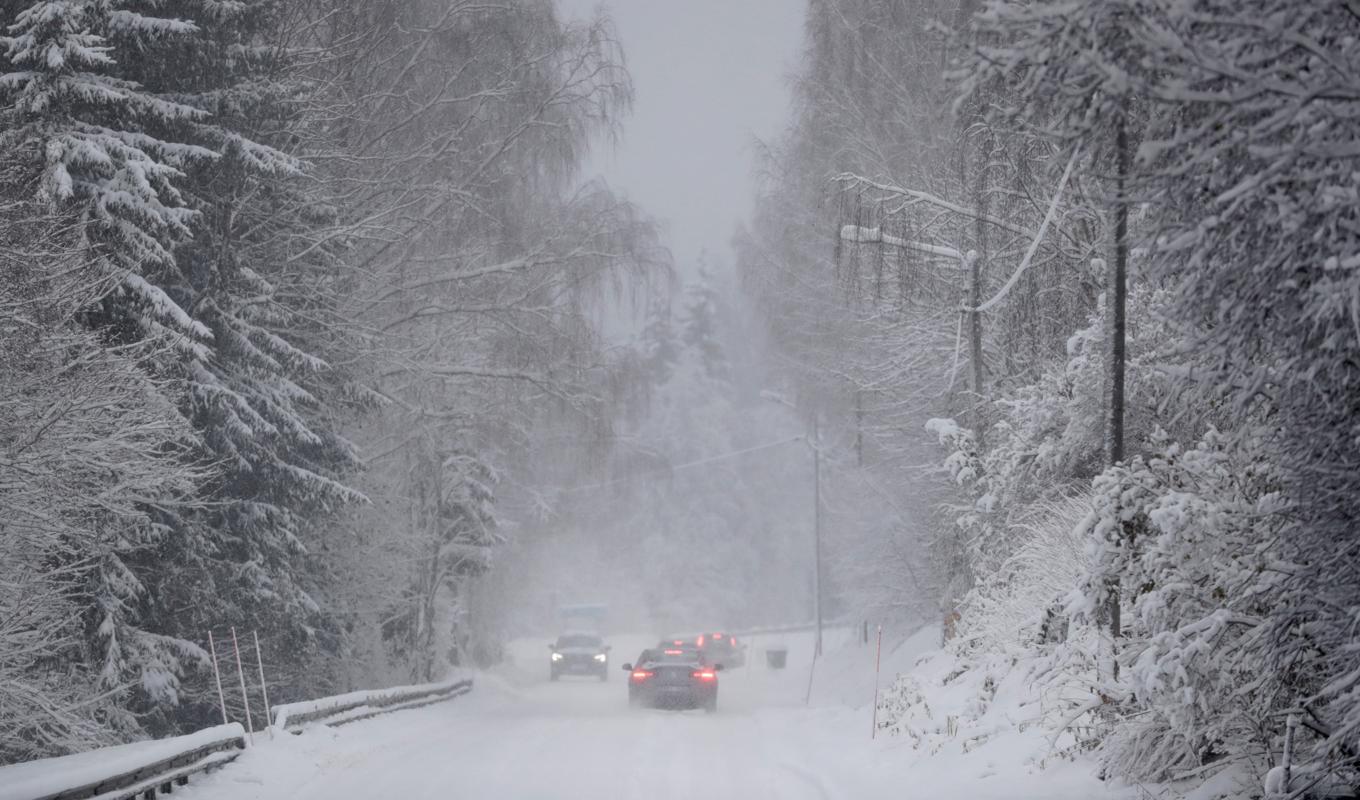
519	736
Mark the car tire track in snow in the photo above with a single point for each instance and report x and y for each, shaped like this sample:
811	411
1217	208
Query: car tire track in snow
811	779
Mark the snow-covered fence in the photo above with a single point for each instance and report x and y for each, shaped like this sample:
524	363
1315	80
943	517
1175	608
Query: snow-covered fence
361	705
124	771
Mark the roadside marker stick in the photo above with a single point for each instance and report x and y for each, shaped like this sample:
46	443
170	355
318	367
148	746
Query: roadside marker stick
245	698
264	687
221	698
878	658
807	699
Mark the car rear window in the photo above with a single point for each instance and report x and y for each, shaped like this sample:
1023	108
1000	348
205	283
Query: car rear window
672	655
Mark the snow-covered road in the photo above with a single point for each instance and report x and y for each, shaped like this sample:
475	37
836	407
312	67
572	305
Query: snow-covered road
519	736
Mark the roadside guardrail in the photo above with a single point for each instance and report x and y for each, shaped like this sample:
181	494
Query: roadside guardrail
142	769
345	708
124	771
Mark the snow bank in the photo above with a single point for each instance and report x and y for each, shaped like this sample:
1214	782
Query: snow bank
1004	726
49	776
844	675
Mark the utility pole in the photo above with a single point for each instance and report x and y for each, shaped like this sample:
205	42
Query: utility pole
817	526
815	442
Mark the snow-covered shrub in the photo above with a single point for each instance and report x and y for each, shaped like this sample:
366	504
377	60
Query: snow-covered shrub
1260	248
1007	608
952	701
1044	441
1190	538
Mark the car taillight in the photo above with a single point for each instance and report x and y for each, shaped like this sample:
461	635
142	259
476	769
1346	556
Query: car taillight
700	642
706	675
641	674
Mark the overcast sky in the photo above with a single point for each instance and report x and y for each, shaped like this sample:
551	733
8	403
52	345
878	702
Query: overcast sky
710	77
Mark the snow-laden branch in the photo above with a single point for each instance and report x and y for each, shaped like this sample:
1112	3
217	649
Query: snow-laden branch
1034	243
916	196
856	233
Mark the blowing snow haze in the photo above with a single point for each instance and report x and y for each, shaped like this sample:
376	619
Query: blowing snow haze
741	399
711	80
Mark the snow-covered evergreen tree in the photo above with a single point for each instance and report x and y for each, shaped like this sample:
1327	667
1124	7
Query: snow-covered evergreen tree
151	130
266	401
90	447
83	130
660	344
700	321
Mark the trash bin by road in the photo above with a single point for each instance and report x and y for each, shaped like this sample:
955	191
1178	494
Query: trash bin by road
776	657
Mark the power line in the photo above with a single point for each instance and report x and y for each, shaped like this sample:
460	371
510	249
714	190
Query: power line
699	463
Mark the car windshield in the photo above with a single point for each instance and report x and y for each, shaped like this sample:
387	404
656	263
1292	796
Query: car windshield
577	640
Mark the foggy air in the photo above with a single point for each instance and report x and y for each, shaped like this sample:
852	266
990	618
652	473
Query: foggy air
642	399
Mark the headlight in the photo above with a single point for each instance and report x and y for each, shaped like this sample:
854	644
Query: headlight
557	656
600	657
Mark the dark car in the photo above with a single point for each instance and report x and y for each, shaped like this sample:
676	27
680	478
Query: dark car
714	648
721	648
578	654
672	677
685	643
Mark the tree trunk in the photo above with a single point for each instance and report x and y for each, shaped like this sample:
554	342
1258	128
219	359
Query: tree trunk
981	229
1118	292
1116	301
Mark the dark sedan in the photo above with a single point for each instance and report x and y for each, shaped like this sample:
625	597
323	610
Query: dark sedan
672	678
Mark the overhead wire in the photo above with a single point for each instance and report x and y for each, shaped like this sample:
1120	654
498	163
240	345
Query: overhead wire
688	465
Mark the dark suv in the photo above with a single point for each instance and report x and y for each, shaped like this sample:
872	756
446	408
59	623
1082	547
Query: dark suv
578	654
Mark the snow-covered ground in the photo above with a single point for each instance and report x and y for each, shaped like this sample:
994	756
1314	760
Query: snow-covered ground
519	736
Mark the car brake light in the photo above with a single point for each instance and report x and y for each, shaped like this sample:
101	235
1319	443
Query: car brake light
700	642
641	674
717	636
706	675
